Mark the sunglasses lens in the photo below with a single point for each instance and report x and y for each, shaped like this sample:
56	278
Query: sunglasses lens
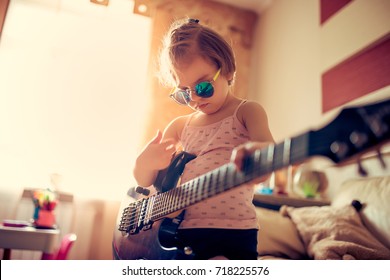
204	89
181	97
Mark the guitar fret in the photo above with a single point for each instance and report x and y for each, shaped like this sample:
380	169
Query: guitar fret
270	156
206	183
186	191
158	206
176	196
278	156
183	192
238	178
192	192
188	194
222	179
217	181
286	151
299	154
257	160
231	173
164	202
199	189
210	189
170	205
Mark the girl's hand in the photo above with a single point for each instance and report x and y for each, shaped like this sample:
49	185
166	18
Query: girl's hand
240	152
157	154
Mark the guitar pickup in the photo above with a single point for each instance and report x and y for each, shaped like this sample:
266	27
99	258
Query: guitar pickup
147	226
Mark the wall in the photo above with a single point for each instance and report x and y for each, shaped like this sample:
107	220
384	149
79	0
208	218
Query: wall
292	51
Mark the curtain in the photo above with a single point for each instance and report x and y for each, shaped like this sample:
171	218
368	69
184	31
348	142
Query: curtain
234	24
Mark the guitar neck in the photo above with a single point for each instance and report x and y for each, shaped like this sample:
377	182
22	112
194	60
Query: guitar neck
260	163
352	132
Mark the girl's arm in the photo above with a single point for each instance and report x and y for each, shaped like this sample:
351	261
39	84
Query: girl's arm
254	118
157	154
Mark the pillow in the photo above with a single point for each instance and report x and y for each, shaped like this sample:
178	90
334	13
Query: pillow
335	233
374	194
278	236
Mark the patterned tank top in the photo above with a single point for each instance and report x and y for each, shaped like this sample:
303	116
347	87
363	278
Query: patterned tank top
213	144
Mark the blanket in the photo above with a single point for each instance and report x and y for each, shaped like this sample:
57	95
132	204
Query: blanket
335	233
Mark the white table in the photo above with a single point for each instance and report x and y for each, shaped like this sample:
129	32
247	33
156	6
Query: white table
27	238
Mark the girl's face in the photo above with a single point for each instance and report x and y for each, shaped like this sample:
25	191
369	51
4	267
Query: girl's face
189	74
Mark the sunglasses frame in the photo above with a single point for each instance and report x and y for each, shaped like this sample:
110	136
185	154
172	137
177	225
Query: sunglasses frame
188	91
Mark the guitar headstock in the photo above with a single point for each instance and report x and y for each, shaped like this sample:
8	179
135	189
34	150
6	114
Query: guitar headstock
353	132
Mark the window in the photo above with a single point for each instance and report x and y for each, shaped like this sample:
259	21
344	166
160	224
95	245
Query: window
72	94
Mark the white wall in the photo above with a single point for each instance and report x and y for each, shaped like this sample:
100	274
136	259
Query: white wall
292	50
287	58
72	95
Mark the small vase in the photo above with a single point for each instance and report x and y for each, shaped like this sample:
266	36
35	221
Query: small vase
46	218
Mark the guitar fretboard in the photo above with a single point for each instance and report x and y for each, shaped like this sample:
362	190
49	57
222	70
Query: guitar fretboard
260	163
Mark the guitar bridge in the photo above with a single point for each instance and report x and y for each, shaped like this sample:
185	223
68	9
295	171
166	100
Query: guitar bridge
135	217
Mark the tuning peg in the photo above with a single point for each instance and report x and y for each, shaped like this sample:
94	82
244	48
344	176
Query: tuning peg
362	171
340	149
358	139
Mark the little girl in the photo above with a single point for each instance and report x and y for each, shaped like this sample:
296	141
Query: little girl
199	64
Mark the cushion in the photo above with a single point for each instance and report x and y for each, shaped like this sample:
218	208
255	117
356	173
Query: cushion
374	194
278	236
330	232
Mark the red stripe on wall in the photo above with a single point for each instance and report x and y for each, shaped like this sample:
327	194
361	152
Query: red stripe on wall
330	7
364	72
3	12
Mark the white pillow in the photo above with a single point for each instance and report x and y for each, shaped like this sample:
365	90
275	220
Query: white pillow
374	194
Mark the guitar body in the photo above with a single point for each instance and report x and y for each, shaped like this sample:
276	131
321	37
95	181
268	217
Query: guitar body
143	229
159	239
144	245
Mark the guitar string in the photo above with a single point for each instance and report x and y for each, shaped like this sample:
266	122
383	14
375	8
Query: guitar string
163	205
188	195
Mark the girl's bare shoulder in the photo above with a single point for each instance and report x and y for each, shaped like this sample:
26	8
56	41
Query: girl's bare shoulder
175	127
251	109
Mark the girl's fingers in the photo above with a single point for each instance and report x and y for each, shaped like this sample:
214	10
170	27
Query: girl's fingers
240	152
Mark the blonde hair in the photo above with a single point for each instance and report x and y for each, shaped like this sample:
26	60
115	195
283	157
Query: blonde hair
187	38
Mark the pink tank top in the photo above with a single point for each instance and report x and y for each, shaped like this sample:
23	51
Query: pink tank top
213	145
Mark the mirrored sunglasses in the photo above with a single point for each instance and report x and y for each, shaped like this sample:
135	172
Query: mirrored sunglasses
203	89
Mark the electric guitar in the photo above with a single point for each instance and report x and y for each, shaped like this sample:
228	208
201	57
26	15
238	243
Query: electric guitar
145	232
